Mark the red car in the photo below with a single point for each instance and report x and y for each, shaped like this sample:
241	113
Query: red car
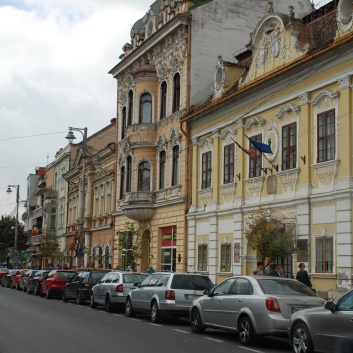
15	281
55	282
3	272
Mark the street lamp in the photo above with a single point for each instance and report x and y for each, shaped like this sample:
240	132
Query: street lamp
70	136
9	191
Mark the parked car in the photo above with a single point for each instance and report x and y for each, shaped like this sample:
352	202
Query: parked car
54	284
25	277
15	282
326	329
80	286
34	285
252	306
112	289
3	272
7	279
166	294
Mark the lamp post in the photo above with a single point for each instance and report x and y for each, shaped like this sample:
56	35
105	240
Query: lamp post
70	136
17	187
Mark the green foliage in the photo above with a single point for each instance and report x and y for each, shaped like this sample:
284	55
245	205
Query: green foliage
49	246
7	237
269	237
130	244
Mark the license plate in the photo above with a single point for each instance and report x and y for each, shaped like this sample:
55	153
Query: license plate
190	296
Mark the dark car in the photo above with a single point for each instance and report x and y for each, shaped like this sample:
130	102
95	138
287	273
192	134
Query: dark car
80	285
15	281
34	285
54	284
7	279
25	278
3	272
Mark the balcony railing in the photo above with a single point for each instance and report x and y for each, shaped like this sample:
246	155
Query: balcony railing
142	134
38	212
139	205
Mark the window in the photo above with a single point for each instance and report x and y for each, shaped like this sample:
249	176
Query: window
324	254
255	163
206	170
289	146
175	171
163	95
144	176
123	123
176	92
225	258
131	108
202	258
228	167
145	109
162	157
128	173
122	181
326	136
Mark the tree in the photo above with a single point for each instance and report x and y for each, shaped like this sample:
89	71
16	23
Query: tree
269	237
130	244
7	237
49	246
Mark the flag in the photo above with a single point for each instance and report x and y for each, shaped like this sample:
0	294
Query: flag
262	147
251	153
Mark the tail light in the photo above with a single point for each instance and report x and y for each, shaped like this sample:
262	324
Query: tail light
87	285
272	305
119	288
169	295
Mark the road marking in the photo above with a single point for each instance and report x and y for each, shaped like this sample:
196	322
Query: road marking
250	349
151	323
118	315
134	319
213	339
174	329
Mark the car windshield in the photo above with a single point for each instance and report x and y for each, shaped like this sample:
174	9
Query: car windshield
64	274
274	286
193	282
97	276
132	278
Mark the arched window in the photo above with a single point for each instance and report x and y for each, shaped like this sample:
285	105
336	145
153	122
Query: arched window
176	92
163	95
144	177
131	108
146	109
122	180
128	173
123	123
162	157
175	167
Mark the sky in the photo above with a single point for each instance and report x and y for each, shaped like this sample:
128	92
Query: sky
54	61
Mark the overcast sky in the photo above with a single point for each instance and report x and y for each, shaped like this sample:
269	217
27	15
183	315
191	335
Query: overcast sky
54	61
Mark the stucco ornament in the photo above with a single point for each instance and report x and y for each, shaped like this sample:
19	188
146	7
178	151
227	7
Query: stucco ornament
344	16
272	139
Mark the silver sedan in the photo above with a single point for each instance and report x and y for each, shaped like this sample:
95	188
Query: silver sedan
251	306
327	329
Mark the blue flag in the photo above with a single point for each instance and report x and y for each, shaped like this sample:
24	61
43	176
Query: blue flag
262	147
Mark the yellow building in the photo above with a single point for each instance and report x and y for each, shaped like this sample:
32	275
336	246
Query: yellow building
290	89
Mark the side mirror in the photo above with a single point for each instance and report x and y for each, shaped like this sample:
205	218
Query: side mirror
330	306
207	292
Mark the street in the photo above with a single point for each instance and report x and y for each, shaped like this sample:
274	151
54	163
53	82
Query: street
31	324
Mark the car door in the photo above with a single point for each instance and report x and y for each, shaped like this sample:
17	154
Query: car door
71	286
212	305
100	290
337	327
145	292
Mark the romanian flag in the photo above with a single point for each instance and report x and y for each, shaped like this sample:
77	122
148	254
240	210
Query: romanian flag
35	230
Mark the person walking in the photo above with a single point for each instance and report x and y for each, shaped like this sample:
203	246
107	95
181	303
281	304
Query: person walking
303	276
280	270
273	270
260	269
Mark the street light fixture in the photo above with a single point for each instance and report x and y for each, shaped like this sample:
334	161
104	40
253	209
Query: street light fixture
9	191
70	136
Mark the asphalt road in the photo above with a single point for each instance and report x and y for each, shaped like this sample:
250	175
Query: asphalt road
30	324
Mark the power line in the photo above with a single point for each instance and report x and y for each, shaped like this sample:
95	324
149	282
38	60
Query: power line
28	136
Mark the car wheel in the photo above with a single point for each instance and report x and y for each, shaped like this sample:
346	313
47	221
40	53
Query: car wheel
79	300
301	339
92	303
155	313
246	331
109	306
196	322
129	311
64	297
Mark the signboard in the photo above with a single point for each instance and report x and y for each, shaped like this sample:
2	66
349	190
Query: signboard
302	250
236	253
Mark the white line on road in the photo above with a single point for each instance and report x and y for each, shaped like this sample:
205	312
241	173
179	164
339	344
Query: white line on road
118	315
155	324
250	349
135	319
213	339
174	329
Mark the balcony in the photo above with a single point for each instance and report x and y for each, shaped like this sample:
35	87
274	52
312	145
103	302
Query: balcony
142	135
35	240
37	213
138	206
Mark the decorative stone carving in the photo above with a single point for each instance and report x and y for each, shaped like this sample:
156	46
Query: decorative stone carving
174	192
161	195
254	186
272	139
288	179
161	143
344	16
287	108
205	196
254	121
162	72
325	172
345	82
175	137
304	98
227	192
176	63
325	99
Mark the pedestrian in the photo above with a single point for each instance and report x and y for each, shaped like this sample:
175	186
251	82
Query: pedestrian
303	276
150	270
260	269
280	270
66	267
273	270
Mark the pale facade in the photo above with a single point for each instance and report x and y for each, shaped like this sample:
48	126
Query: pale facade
292	89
